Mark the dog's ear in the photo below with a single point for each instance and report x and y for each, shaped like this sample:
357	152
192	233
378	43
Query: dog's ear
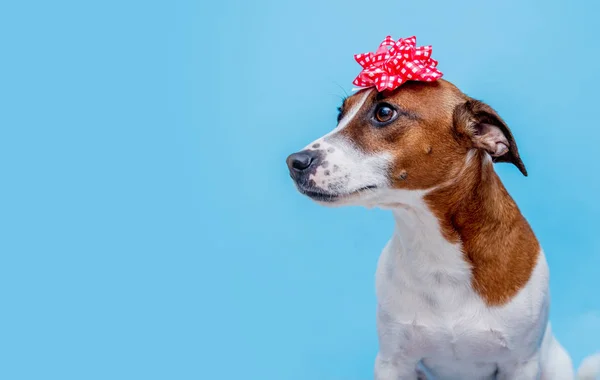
486	130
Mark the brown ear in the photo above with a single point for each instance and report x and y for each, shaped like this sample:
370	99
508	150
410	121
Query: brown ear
486	130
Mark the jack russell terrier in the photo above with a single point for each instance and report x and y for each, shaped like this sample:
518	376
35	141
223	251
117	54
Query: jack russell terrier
462	285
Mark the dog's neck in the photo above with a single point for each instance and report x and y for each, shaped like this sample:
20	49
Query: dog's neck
475	216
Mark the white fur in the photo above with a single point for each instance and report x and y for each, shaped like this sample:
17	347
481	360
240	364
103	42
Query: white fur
589	368
351	113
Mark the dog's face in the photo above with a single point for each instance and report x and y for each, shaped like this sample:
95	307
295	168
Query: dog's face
416	137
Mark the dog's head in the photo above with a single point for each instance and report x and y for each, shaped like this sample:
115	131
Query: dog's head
416	137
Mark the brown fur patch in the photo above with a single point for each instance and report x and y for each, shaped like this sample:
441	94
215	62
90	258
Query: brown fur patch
496	239
429	143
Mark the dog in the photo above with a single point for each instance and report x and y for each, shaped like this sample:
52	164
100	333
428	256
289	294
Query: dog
462	285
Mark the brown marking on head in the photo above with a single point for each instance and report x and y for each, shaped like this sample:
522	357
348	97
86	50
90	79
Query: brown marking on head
435	128
421	139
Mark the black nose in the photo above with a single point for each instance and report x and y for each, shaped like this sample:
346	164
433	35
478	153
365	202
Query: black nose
301	161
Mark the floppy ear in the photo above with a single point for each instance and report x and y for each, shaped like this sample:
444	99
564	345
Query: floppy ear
486	130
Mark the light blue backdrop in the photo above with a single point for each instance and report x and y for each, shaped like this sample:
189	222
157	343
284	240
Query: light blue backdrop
148	227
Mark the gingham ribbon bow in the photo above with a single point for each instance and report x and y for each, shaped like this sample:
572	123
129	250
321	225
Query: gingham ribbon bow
388	68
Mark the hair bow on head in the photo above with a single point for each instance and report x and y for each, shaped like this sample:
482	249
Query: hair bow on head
396	62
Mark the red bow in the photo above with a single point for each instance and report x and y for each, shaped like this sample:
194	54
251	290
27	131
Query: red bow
387	69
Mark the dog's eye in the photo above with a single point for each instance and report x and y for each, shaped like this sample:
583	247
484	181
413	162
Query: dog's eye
384	113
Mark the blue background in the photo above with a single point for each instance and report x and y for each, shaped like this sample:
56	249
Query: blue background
148	227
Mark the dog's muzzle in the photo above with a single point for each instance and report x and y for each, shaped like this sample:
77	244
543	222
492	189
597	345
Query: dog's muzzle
302	164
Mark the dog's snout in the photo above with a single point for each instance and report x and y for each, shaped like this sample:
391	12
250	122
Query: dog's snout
301	161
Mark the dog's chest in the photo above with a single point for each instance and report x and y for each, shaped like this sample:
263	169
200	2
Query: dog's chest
434	310
428	309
